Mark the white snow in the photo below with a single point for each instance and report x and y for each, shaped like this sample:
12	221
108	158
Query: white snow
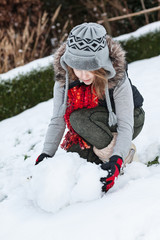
63	199
152	27
34	65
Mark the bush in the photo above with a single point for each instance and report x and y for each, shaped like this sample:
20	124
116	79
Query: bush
145	46
24	92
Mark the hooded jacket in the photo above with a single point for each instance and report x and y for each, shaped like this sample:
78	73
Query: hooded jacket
122	97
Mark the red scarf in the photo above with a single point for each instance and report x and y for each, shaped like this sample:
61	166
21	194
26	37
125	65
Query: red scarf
78	97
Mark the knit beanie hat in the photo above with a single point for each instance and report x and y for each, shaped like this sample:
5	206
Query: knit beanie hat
87	49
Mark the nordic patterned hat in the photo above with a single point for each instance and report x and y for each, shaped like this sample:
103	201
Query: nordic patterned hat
87	49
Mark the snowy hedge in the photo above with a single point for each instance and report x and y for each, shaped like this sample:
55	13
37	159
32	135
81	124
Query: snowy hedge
145	46
23	92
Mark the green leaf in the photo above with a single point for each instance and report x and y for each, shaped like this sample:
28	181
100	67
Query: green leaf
155	161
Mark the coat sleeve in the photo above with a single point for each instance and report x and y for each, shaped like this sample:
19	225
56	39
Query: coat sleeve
57	125
124	107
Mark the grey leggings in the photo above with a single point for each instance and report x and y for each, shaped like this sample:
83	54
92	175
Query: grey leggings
92	126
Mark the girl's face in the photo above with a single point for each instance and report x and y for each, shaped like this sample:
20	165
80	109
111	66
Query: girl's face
84	76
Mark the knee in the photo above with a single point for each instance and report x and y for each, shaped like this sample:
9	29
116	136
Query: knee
76	120
80	120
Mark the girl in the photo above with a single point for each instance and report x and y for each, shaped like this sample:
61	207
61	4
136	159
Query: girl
95	99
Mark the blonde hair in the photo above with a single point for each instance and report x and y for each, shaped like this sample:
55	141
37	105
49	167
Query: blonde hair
99	83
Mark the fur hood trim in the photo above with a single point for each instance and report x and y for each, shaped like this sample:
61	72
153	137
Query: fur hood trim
117	56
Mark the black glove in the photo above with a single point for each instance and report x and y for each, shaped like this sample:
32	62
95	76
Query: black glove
41	157
113	167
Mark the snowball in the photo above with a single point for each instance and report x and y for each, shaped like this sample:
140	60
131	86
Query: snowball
62	180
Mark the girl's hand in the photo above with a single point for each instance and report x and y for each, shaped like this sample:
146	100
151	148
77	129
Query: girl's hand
113	167
41	157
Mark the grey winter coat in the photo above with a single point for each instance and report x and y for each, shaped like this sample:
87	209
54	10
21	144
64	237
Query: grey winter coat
122	95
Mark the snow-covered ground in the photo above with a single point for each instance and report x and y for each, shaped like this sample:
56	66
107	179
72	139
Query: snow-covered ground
63	199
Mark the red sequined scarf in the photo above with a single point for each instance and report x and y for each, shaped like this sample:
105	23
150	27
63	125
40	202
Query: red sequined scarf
79	97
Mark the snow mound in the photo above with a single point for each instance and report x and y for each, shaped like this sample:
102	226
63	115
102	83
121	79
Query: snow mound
64	180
